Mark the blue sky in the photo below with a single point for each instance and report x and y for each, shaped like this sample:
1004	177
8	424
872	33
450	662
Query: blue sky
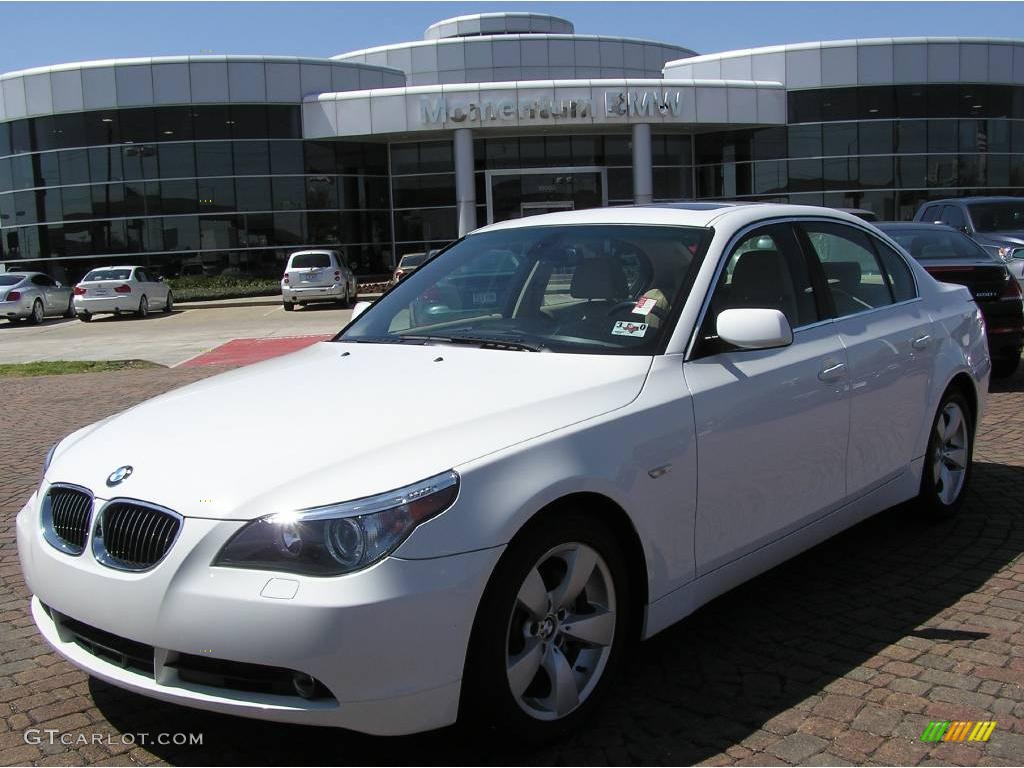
37	34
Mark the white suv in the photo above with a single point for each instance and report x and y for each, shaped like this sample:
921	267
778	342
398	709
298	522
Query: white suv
317	276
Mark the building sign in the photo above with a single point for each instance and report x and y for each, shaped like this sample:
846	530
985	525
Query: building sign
631	103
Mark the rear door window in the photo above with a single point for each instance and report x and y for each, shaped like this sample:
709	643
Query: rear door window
856	280
953	216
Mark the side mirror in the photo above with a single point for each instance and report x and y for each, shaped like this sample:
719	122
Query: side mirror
359	308
754	328
58	283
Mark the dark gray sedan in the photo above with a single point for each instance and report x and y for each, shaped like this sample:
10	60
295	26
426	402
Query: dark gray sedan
33	296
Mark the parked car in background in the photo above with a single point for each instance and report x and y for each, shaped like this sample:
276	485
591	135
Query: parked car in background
860	213
121	290
952	257
407	265
492	548
33	296
995	223
316	276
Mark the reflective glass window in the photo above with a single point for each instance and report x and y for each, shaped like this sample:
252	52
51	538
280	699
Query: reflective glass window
319	157
177	161
52	208
134	198
107	200
286	157
805	175
21	136
6	210
44	133
216	194
253	194
258	230
805	141
137	125
211	122
324	228
213	158
839	104
620	184
6	180
102	127
154	201
618	150
672	183
251	157
140	161
283	122
770	177
5	139
217	233
105	164
911	101
422	191
839	139
586	150
74	166
22	171
180	233
174	123
805	106
911	171
876	172
769	143
911	136
942	171
322	192
76	202
47	168
179	196
942	136
875	137
876	103
248	121
289	193
289	228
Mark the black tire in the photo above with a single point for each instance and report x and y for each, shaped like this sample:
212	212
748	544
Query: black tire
38	314
70	312
488	703
289	306
1005	367
169	305
143	310
85	317
935	500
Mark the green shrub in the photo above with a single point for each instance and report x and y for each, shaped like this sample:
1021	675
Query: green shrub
222	287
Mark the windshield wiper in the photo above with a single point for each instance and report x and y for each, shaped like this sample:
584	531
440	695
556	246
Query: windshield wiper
514	343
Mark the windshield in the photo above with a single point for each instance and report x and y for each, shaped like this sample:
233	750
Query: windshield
310	260
996	217
607	289
6	280
107	274
937	243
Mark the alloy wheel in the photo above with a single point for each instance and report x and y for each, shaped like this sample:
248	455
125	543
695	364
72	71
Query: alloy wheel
949	461
37	312
561	631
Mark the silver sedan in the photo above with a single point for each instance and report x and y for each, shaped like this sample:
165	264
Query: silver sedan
33	295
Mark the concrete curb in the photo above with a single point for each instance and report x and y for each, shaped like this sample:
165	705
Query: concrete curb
256	301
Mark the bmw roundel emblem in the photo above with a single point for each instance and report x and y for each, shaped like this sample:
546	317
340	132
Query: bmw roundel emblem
119	474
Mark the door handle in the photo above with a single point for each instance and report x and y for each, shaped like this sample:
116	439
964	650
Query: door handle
921	342
832	372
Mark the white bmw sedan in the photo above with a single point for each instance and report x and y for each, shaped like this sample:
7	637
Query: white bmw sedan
609	417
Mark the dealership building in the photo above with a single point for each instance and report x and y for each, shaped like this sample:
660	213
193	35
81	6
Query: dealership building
209	165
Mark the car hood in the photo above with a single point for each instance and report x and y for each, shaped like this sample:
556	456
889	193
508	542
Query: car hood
338	421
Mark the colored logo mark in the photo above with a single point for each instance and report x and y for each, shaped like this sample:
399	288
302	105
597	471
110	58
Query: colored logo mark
958	730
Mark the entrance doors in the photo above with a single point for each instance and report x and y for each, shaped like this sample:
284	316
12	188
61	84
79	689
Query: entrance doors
512	194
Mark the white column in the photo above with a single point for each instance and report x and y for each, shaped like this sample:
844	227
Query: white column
643	184
465	181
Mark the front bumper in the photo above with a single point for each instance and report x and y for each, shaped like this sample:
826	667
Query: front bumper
388	643
105	304
15	309
332	292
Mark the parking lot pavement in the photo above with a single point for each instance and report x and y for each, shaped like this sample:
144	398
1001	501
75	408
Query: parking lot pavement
840	656
171	339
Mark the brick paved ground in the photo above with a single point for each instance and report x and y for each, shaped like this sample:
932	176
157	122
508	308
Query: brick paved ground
839	656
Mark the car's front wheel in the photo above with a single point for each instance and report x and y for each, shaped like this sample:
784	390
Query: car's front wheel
550	631
947	462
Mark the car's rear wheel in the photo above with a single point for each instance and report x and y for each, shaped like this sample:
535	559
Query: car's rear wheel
289	306
70	311
947	462
344	301
143	310
169	304
550	631
37	313
85	317
1004	367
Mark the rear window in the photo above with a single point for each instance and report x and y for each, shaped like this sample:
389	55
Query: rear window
924	244
413	260
310	260
107	274
10	279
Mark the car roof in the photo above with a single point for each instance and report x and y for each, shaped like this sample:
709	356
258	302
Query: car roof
677	214
119	266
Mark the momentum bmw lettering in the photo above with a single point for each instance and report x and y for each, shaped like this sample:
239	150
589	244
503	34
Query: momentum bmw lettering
490	549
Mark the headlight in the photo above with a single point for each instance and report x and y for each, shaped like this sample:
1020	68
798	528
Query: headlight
339	538
49	458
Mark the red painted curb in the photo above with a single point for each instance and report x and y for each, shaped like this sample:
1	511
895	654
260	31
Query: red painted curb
248	351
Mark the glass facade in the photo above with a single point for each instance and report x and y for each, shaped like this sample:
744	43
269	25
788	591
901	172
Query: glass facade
188	190
883	148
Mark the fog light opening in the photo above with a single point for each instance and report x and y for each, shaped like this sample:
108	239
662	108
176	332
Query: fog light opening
304	685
